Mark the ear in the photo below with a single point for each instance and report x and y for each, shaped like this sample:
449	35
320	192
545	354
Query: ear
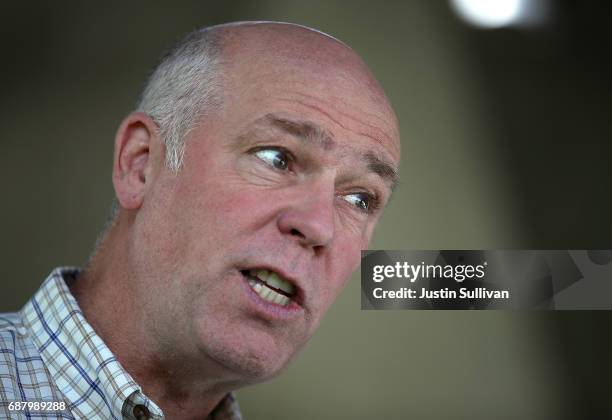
136	148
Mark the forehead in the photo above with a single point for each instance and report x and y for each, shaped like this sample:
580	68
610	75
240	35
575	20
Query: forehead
316	79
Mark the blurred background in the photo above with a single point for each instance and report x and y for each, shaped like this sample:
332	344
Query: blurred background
506	135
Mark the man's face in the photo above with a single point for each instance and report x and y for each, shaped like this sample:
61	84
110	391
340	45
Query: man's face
289	178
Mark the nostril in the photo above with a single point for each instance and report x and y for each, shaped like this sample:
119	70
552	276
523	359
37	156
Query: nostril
296	232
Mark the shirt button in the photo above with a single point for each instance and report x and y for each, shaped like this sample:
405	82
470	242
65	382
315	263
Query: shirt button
141	412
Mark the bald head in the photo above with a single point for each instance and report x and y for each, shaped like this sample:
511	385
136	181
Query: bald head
273	53
213	66
284	40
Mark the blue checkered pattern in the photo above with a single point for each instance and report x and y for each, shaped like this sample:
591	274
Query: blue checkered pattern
49	352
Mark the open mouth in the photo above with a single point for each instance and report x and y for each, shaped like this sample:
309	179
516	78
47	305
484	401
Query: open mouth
270	286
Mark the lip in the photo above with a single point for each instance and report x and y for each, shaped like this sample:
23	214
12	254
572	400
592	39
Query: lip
298	297
272	310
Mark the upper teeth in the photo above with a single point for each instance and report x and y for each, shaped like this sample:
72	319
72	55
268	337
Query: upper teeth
273	280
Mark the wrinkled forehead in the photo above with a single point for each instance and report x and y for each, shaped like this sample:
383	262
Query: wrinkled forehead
305	66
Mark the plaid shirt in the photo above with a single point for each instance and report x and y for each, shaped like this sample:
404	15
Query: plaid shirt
49	353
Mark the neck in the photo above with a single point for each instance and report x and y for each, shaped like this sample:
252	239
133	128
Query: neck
183	385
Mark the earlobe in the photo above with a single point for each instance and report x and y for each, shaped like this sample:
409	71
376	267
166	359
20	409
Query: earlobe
134	144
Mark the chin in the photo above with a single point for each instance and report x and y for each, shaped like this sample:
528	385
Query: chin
254	367
252	358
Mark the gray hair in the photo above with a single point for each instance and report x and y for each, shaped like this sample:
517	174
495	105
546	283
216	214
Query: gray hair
183	87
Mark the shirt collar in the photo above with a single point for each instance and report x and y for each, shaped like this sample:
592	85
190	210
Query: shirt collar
82	366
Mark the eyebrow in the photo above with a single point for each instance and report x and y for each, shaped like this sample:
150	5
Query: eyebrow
383	169
312	133
303	129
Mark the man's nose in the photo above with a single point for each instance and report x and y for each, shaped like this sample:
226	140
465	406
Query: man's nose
310	216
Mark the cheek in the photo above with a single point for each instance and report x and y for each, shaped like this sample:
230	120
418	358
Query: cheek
341	264
207	199
349	253
239	202
230	213
347	257
220	188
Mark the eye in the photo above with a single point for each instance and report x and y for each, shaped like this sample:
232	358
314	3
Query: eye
364	202
277	158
